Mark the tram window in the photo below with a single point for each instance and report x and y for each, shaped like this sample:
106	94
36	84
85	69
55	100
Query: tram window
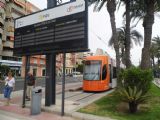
114	72
104	72
92	70
111	74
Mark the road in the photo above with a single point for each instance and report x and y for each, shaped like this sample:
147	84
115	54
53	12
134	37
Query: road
41	82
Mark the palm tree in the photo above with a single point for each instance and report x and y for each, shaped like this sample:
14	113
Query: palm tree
111	8
147	24
128	39
145	9
127	33
135	37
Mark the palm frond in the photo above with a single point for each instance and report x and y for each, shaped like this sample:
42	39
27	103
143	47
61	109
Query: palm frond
90	2
101	5
137	37
157	5
96	5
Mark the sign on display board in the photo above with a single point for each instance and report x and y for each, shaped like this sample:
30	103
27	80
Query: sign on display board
60	29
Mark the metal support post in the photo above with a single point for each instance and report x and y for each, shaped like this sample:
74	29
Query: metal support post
50	91
63	84
51	3
27	67
50	94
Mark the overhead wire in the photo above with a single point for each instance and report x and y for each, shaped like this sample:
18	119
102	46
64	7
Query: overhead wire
99	38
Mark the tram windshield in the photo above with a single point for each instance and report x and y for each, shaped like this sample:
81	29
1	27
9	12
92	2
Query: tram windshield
92	70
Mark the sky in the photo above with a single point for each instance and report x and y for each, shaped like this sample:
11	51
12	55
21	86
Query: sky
100	30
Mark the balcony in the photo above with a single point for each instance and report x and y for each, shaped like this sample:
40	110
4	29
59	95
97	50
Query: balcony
10	34
4	37
7	53
1	48
1	30
8	14
18	9
1	20
14	15
3	1
10	24
21	3
8	44
10	29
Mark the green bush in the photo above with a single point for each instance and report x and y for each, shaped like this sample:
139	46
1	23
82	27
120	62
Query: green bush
136	77
3	71
135	84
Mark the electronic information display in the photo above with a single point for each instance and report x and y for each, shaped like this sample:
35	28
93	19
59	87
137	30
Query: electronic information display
60	29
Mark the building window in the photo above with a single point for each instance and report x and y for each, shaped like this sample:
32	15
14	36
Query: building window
34	71
35	61
41	62
1	15
11	58
9	19
8	38
0	36
43	72
1	26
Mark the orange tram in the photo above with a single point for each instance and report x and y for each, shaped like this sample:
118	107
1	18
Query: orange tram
99	73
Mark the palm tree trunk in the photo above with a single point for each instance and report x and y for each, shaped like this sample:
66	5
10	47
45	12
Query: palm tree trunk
111	7
128	41
147	24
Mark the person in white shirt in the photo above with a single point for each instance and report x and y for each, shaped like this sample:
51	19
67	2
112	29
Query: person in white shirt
9	87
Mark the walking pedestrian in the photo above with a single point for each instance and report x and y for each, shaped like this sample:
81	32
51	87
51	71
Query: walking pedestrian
30	85
9	87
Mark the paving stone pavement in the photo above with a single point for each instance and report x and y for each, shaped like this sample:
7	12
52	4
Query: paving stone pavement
52	112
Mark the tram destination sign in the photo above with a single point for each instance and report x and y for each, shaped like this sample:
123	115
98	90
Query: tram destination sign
60	29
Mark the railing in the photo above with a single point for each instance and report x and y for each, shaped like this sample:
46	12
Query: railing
8	53
8	44
18	78
40	81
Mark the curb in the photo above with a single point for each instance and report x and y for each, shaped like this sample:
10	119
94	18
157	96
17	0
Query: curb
78	115
156	82
83	116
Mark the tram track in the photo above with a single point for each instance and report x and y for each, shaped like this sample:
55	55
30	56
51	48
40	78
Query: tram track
80	96
77	96
73	95
86	97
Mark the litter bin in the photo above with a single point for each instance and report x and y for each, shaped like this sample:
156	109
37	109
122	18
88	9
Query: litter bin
36	101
